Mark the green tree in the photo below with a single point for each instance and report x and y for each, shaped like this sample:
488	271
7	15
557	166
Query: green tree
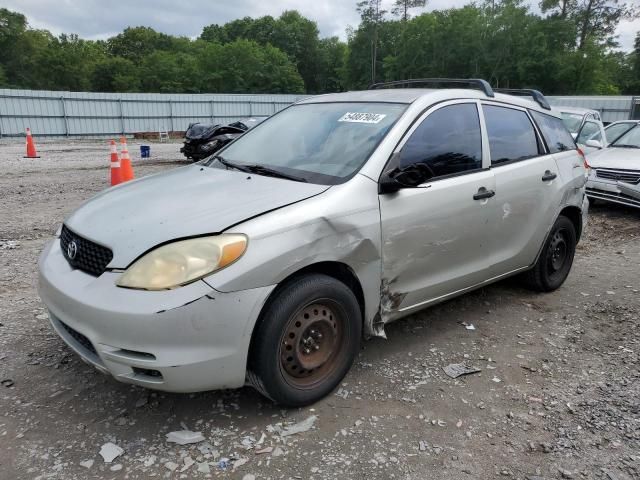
596	19
12	27
255	68
3	78
292	33
372	16
115	74
332	57
138	42
401	8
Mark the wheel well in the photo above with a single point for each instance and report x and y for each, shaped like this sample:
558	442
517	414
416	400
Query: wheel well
340	272
575	215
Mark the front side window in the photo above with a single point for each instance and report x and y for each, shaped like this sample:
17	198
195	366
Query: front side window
323	143
554	131
447	142
511	134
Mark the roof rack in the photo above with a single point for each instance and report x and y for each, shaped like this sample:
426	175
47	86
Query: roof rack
477	83
537	96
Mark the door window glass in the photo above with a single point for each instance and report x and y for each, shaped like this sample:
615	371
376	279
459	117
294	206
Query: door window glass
511	134
447	142
589	131
555	132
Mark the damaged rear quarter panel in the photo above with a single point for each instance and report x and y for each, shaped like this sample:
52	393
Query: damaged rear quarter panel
341	225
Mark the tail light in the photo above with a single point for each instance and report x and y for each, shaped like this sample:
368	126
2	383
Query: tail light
584	159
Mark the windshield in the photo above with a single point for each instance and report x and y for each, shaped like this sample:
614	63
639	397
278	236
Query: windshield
616	130
324	143
572	121
631	139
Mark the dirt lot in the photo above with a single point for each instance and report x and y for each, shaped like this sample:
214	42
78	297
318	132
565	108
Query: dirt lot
557	397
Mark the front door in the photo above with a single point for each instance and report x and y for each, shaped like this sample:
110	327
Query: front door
435	236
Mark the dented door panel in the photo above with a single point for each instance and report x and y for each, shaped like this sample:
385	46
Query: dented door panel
435	241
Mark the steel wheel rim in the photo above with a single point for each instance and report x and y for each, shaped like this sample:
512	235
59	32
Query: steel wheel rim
312	343
558	251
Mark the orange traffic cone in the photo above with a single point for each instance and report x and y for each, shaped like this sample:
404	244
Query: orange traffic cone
126	170
31	147
116	174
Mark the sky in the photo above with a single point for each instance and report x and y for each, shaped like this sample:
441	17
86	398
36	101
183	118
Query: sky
99	19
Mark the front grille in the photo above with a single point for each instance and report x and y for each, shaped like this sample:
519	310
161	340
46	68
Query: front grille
81	339
89	257
627	176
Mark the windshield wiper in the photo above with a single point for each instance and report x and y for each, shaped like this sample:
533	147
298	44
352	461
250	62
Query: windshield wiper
258	169
270	172
229	164
624	145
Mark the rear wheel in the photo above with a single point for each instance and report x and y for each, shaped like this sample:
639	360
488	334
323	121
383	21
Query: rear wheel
555	261
306	341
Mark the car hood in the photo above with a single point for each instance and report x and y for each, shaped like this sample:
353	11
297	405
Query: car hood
615	157
136	216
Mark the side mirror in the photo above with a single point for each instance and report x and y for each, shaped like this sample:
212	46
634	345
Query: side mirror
388	184
593	143
409	177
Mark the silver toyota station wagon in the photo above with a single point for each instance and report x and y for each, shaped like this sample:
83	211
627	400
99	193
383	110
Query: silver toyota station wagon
268	263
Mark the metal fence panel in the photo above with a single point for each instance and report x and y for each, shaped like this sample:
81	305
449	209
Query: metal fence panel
94	114
612	108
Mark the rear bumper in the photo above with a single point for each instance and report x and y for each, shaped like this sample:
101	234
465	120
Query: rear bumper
193	338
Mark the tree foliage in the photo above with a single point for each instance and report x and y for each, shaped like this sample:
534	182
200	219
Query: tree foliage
401	7
569	48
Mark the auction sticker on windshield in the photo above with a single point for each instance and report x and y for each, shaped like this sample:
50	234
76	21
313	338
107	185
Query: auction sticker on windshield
362	117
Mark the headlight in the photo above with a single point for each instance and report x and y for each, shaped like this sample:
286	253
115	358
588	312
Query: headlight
182	262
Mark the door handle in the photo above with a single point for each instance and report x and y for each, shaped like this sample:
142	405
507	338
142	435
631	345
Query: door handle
548	176
483	193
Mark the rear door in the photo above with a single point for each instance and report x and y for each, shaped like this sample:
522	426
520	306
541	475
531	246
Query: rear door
560	143
527	186
435	236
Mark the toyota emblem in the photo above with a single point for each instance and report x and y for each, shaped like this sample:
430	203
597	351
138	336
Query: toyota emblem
72	249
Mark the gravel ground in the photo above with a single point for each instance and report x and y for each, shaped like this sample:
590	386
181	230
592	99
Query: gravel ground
557	395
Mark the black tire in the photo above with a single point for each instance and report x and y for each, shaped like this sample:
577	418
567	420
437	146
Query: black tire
306	340
555	261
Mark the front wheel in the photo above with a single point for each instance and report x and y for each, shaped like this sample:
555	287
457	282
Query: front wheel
555	261
306	341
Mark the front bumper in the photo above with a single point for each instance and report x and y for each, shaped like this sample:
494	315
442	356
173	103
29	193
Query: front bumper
189	339
613	191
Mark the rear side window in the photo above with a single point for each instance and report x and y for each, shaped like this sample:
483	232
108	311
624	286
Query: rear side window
447	142
555	132
511	134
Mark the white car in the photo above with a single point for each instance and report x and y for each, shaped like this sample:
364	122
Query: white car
585	126
615	170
